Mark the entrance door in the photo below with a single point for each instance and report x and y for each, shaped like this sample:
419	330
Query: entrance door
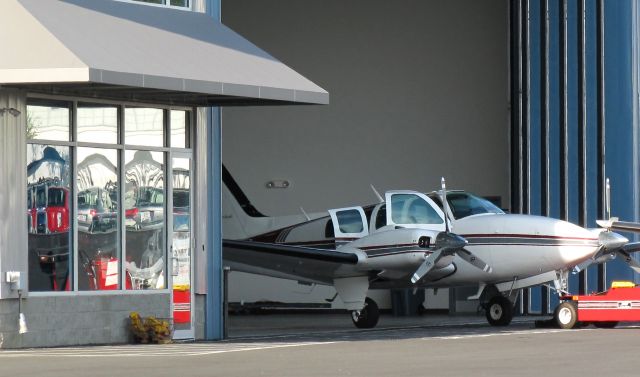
182	246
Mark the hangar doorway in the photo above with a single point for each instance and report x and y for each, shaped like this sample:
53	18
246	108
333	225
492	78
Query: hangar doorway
419	91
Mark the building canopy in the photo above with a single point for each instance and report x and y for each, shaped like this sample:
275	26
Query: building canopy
131	52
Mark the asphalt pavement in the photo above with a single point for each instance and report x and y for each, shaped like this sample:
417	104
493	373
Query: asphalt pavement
326	345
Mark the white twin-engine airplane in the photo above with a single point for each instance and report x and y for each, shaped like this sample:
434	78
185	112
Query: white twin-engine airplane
406	241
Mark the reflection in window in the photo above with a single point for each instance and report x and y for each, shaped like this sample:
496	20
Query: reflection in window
144	202
350	221
97	123
48	222
144	126
181	242
464	204
48	120
97	200
412	209
179	129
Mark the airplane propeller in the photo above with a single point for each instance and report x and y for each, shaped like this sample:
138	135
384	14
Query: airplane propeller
448	244
613	244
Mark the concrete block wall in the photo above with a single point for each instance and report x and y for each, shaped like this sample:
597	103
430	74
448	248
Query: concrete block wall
76	320
199	308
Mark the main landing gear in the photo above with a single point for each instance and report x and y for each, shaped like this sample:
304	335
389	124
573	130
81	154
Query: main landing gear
499	311
498	308
368	316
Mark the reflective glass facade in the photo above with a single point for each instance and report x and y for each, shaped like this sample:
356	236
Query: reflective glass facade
96	194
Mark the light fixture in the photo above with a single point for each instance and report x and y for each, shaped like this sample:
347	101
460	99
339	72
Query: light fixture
11	110
278	184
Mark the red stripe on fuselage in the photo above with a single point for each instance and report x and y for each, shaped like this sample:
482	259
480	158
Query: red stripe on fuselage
496	235
387	246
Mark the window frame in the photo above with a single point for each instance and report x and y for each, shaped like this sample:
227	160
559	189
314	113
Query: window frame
165	4
120	148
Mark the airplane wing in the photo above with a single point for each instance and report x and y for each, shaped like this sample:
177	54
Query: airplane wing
290	262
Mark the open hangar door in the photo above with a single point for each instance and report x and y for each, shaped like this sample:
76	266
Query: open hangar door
419	90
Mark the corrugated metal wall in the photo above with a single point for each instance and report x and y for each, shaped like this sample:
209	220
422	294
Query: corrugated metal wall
573	121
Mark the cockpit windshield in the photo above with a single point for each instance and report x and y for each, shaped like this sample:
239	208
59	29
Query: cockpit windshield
464	204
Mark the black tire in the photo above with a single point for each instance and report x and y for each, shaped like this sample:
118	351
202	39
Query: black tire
367	317
606	324
566	315
499	311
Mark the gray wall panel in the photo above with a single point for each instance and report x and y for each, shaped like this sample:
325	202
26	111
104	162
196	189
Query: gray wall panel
418	90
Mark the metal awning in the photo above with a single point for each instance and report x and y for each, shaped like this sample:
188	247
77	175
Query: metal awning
123	51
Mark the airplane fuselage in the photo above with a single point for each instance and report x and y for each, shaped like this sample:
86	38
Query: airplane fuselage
515	246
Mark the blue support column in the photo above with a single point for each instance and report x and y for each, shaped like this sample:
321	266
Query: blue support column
214	316
621	165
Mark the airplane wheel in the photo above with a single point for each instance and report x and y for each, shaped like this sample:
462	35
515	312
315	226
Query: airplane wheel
499	311
605	325
367	317
566	315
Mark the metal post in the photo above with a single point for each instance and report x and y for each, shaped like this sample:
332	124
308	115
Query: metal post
582	132
600	82
544	129
214	300
564	168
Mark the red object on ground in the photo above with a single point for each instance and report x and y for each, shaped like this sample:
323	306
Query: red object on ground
618	304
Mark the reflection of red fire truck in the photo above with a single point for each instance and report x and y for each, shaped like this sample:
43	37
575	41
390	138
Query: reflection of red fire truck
48	208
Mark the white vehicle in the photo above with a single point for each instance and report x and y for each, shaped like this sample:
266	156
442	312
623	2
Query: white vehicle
406	241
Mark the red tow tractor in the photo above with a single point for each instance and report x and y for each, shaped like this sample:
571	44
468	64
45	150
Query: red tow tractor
621	303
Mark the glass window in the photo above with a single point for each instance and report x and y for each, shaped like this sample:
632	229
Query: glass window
381	217
48	217
464	204
97	123
144	126
98	219
98	196
412	209
350	221
179	127
144	204
182	236
48	120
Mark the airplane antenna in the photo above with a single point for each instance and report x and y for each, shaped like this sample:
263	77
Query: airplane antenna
607	198
377	194
445	205
305	214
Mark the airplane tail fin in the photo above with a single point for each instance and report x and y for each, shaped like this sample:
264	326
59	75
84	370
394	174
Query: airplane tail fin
241	219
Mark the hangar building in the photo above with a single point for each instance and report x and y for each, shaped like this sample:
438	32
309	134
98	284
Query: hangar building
114	114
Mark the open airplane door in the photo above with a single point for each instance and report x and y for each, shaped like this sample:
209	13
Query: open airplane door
348	224
409	209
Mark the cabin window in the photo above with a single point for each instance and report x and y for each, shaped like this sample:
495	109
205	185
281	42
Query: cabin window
350	221
412	209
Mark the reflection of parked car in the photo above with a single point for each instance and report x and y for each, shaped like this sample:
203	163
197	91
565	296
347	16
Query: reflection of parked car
96	212
144	207
48	209
181	210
